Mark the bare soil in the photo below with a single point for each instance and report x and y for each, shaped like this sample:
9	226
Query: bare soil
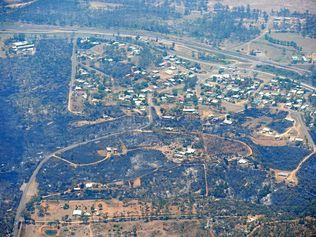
269	5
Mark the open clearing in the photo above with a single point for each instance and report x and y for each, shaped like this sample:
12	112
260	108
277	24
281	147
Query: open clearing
18	3
268	51
308	44
177	228
99	5
269	5
217	146
111	209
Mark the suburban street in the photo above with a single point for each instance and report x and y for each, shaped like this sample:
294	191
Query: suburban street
185	42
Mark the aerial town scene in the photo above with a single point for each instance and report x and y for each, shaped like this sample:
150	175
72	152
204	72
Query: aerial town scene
157	118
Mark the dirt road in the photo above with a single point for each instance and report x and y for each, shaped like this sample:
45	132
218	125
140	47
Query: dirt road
26	192
74	64
169	38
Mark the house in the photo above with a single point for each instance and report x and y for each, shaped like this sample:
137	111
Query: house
283	173
304	59
77	213
22	47
298	140
169	72
227	121
189	110
190	150
295	59
89	185
242	162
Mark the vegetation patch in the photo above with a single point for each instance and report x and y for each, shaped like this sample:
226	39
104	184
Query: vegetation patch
282	157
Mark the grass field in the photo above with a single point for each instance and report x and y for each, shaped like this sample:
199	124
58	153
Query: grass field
279	53
269	5
308	44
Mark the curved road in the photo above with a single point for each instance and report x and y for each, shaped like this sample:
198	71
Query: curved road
26	191
184	41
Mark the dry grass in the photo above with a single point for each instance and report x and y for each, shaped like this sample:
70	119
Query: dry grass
218	146
18	3
102	152
206	112
99	5
136	183
281	175
233	107
91	122
32	231
188	228
269	5
268	141
112	208
308	44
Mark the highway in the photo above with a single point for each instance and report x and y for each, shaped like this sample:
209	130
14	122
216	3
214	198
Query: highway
292	177
184	41
26	195
304	129
189	43
304	85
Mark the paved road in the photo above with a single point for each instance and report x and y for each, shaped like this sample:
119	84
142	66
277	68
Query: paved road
304	129
304	85
183	40
74	64
292	177
193	44
24	199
